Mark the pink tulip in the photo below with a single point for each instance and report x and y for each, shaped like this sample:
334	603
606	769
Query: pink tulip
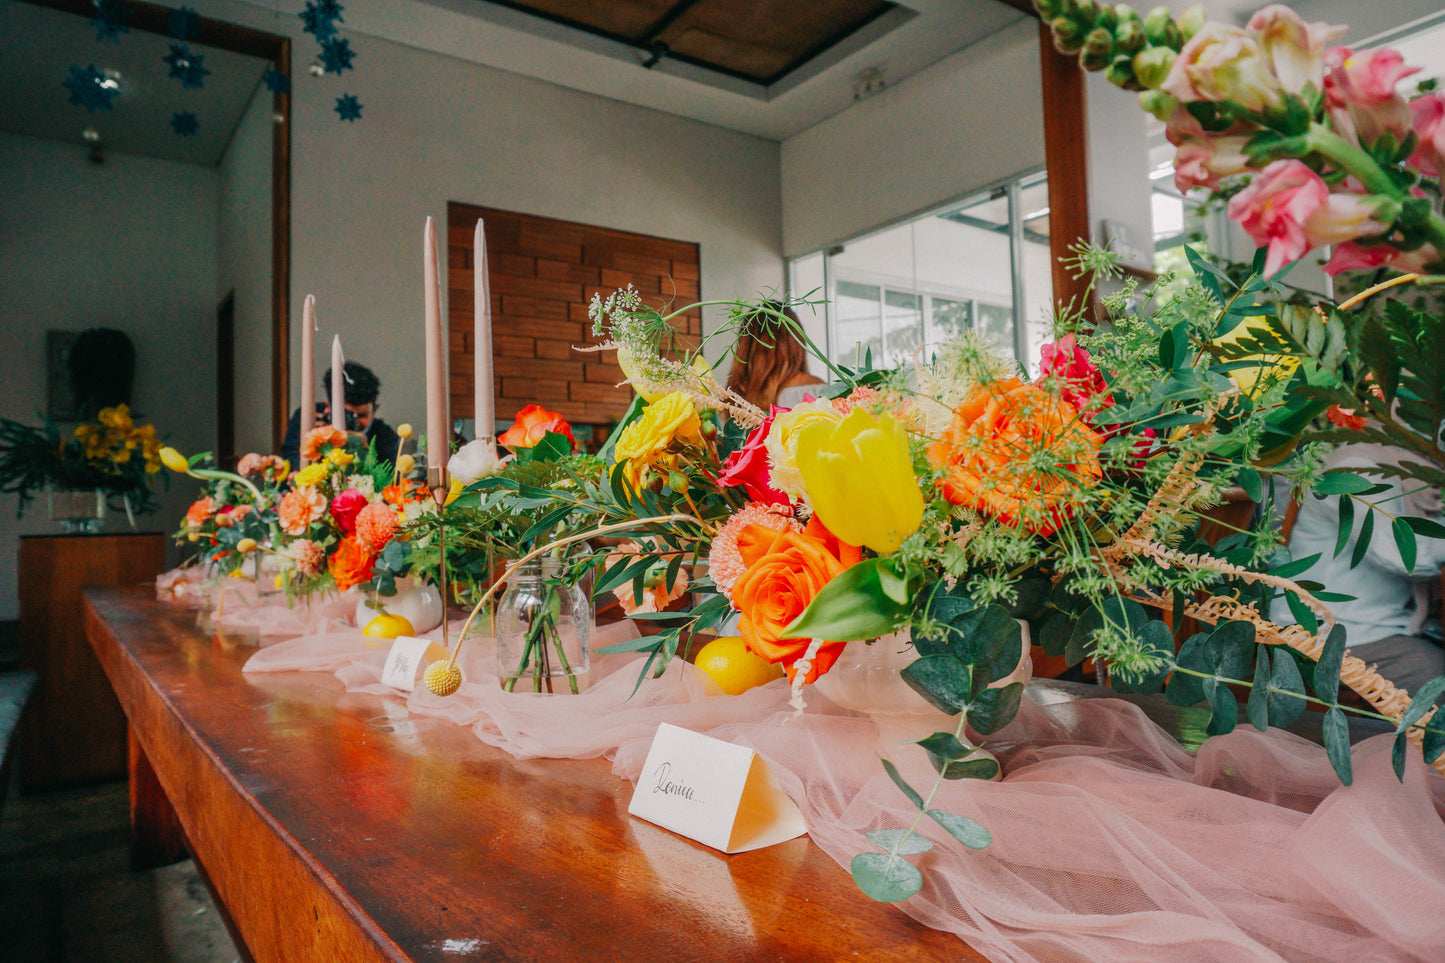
1295	49
1223	63
1290	208
1428	115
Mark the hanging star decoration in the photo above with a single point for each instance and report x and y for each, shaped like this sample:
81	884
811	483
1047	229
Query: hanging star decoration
187	66
348	108
336	55
184	123
277	82
182	22
320	18
111	20
89	88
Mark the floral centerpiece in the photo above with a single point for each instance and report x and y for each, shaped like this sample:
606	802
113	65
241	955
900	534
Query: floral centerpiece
112	455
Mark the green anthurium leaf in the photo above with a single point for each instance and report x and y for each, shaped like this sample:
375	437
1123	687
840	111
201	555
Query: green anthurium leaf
1287	701
851	607
904	842
941	679
993	709
963	829
1337	743
888	879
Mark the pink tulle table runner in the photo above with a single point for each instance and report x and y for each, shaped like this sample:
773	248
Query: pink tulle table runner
1111	842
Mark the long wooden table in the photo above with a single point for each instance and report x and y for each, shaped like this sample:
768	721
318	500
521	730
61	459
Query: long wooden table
333	826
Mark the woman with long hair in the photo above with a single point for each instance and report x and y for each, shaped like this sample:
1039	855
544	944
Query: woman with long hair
769	359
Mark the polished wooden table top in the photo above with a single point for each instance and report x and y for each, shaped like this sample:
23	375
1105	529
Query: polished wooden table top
334	826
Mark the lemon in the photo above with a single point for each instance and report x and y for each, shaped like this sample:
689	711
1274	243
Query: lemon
388	626
733	667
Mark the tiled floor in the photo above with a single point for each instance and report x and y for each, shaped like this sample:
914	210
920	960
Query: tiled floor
68	895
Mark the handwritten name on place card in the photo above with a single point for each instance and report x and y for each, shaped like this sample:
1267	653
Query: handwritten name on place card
717	793
406	660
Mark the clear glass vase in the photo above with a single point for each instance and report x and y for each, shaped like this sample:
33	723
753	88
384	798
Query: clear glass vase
79	512
543	627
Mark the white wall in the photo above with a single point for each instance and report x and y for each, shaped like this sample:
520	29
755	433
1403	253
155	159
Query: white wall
243	258
1118	166
130	244
969	121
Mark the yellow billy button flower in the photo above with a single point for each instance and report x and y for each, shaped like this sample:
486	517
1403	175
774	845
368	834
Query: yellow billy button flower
246	546
174	460
860	479
405	464
403	430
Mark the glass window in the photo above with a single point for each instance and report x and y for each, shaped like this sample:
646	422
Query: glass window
858	322
902	326
950	317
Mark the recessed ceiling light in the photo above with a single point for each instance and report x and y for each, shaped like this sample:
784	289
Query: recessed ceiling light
91	135
112	78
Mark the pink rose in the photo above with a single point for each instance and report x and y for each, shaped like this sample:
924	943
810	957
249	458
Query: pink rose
1068	366
1294	49
1223	63
345	507
748	466
1428	116
1360	94
1290	208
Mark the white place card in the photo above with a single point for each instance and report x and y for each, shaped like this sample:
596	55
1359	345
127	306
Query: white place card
717	793
406	660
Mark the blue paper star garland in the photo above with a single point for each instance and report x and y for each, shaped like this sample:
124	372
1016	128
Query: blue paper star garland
348	108
185	124
277	82
336	55
187	66
88	88
320	18
182	22
110	20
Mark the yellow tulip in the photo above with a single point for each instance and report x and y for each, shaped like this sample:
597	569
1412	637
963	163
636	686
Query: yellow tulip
174	460
859	477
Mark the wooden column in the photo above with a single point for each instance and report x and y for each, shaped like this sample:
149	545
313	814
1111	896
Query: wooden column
74	730
1066	148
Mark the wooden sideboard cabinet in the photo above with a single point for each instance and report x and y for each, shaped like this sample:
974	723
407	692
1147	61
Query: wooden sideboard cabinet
74	730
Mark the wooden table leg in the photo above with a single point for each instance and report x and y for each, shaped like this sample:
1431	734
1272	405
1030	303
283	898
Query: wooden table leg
156	837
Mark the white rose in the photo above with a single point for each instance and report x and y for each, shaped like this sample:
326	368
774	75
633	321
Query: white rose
476	459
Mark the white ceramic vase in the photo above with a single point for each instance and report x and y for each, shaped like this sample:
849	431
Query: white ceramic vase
417	602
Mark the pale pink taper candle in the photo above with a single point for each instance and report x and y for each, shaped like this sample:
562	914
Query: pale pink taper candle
483	410
437	434
338	385
308	368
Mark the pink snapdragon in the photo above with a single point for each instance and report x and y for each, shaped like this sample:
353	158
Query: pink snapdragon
1290	208
1294	49
1428	117
1223	63
1360	95
1358	257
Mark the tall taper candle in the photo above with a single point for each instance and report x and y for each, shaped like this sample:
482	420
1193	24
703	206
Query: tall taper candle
338	385
483	410
438	435
308	368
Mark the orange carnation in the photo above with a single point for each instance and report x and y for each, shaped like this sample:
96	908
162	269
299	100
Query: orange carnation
316	437
300	507
1018	453
376	525
199	511
785	569
350	564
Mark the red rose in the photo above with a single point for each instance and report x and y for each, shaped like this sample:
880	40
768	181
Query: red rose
748	466
344	508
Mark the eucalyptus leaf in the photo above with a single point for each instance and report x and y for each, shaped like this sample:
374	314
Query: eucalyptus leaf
1257	708
944	681
965	830
993	709
1054	636
1229	649
902	783
1346	524
1336	731
984	768
1287	700
885	878
1405	542
1224	710
1327	669
1156	640
1362	541
1185	689
904	842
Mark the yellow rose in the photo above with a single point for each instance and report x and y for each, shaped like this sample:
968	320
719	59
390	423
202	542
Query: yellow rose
312	474
671	418
782	442
338	458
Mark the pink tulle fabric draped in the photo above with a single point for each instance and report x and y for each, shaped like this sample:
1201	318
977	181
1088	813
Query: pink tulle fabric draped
239	604
1111	842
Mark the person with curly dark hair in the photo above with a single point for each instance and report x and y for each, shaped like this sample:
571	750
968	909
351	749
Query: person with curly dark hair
363	392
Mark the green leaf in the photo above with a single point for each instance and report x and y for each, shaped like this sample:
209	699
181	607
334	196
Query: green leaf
963	829
1054	635
853	606
1229	649
1424	526
1362	541
1302	613
902	784
1257	708
1225	710
1424	699
888	879
1434	741
1253	485
1155	639
1347	524
1327	669
1185	689
1174	347
1342	483
1287	702
1405	542
1293	568
993	709
944	681
904	842
1337	743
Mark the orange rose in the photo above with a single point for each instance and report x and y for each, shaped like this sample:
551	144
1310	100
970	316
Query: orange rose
1018	453
316	437
532	424
785	569
199	511
350	564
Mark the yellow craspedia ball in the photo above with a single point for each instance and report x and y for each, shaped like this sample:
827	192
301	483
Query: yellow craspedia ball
736	669
443	677
388	626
